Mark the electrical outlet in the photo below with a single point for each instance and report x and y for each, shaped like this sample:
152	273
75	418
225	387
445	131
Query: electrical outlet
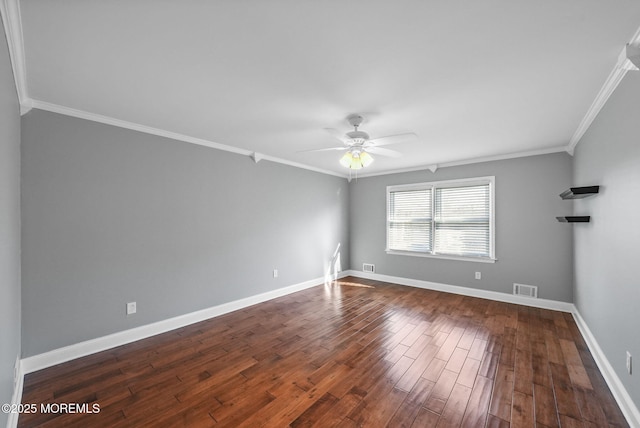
131	308
275	273
478	275
629	368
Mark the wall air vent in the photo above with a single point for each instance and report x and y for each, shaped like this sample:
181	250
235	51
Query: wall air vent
525	290
368	267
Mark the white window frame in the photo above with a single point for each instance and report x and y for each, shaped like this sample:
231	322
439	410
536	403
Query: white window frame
490	180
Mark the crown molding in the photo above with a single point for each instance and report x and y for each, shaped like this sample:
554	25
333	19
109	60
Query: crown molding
10	10
433	168
107	120
12	22
623	65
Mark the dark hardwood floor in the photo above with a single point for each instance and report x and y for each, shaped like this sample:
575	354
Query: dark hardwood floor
355	353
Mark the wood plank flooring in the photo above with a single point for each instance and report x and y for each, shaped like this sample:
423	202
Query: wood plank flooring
353	353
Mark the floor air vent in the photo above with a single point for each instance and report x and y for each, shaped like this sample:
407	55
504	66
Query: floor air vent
368	267
525	290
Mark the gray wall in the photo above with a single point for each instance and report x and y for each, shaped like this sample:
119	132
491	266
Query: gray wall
607	250
9	225
531	246
112	215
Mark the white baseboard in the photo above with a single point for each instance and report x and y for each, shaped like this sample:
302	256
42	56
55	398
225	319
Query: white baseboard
618	390
466	291
16	399
71	352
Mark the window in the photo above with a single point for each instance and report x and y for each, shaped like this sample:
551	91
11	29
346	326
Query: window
446	219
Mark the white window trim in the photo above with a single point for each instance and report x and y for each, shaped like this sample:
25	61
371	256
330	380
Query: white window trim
491	180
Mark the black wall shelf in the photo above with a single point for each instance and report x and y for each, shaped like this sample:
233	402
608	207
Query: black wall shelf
580	192
575	219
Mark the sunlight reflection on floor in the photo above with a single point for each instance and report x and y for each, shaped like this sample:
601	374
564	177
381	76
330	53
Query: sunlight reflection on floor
354	284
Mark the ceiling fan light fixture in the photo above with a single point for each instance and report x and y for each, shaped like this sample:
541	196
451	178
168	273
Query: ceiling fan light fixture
366	159
346	160
356	159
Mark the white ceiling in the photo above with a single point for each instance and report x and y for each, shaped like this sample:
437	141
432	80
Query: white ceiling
472	79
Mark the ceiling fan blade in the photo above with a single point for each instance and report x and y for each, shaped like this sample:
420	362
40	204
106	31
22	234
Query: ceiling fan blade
394	139
336	134
323	150
383	152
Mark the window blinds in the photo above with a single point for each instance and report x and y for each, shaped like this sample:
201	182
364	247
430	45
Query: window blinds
410	217
462	221
447	220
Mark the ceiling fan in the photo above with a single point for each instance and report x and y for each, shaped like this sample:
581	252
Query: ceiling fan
359	146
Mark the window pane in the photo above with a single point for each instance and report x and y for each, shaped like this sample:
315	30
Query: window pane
410	205
410	237
462	204
462	239
409	219
462	221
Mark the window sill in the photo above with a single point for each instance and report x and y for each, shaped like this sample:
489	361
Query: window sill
442	256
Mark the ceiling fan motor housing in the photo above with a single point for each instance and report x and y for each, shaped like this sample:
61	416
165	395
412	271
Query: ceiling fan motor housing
358	137
355	119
